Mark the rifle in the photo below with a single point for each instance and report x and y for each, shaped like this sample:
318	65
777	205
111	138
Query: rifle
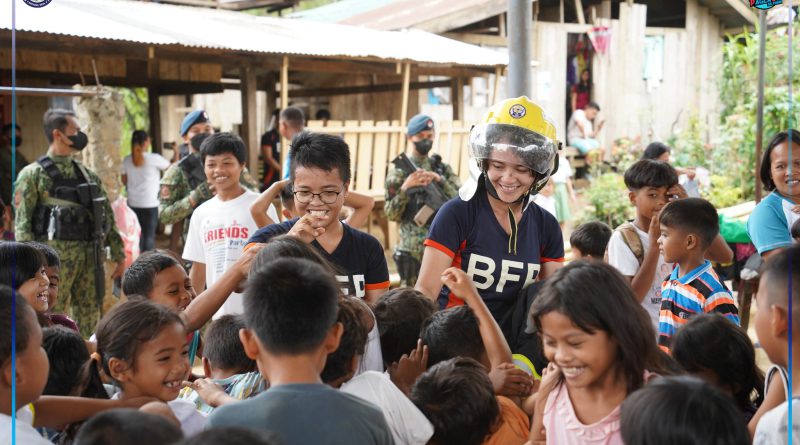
433	195
98	234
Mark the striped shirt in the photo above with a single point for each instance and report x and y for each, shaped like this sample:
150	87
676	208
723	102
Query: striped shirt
697	292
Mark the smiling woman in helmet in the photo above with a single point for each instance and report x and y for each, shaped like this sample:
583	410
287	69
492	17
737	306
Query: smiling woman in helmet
495	233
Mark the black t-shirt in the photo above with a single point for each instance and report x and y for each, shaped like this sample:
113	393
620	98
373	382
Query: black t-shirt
273	139
359	259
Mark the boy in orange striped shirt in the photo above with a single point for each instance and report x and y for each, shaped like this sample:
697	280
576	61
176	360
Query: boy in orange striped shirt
688	226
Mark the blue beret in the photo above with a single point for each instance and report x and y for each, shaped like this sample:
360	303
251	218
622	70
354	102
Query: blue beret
418	123
195	117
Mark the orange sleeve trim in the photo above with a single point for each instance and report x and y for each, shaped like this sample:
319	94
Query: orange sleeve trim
248	245
552	260
437	246
375	286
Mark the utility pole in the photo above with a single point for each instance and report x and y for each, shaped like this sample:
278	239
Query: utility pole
519	16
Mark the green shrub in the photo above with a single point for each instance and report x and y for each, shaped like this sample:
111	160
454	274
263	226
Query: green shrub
723	192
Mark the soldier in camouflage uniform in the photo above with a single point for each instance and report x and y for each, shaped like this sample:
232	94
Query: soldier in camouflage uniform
402	196
178	198
34	190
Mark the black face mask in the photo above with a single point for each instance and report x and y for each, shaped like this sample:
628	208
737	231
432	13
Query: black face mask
423	146
18	141
79	140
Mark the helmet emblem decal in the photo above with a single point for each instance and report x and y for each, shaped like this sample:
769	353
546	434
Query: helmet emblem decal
517	111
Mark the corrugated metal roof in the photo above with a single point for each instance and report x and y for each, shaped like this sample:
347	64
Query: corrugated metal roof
337	11
160	24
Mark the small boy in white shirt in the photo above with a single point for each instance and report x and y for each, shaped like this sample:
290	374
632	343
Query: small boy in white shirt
221	226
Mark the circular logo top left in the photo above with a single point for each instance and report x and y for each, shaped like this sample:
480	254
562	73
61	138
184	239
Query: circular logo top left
37	3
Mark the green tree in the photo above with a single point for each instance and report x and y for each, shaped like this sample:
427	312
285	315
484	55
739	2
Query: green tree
734	153
136	116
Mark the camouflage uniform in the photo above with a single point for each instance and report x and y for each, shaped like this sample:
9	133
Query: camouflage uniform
411	235
76	296
174	205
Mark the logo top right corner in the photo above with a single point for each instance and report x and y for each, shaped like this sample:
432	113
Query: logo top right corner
764	4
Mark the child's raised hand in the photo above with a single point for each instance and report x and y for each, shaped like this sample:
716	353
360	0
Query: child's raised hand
210	392
654	231
405	372
460	284
308	227
676	192
510	381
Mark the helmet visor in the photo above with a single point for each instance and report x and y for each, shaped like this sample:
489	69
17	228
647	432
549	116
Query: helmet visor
533	150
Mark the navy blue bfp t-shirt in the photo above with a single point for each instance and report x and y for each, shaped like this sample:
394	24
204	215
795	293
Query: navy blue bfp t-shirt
470	234
358	257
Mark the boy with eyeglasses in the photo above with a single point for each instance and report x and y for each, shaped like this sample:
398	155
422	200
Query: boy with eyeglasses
220	227
320	174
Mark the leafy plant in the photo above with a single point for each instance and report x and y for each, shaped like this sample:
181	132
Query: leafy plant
734	154
607	201
136	116
723	192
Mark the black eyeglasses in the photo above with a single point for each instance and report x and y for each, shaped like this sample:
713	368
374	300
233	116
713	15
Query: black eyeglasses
327	197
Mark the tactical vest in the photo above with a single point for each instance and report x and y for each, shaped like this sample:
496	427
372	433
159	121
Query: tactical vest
417	195
67	213
193	169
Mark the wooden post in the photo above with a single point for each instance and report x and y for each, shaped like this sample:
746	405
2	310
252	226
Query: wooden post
501	25
249	117
561	11
498	72
272	95
154	114
579	11
457	97
284	104
404	105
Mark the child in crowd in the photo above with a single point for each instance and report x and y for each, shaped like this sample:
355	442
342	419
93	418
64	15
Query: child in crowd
142	347
407	424
22	267
688	227
232	436
471	331
320	173
774	323
220	227
714	349
633	247
53	270
28	380
161	278
590	240
400	313
67	354
601	346
286	246
361	204
681	410
290	313
226	366
457	397
564	191
125	426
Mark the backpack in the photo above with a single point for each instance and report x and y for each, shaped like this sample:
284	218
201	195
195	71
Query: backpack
631	239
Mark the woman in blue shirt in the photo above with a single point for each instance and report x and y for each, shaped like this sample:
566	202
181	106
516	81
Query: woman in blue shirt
770	223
